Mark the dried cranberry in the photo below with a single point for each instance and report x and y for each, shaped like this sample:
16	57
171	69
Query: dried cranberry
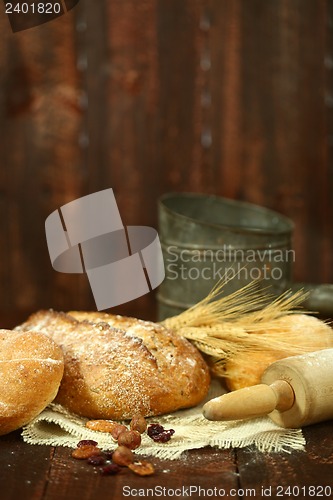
164	436
158	434
154	429
110	470
86	442
97	460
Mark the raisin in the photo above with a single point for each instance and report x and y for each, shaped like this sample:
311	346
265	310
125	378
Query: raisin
164	436
86	442
86	452
154	429
158	434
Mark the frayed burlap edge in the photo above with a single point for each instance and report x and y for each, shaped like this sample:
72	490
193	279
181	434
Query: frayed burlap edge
56	427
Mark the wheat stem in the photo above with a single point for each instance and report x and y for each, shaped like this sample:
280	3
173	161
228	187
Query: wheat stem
222	325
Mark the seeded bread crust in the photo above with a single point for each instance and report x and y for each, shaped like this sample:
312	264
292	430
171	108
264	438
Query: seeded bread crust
31	369
117	366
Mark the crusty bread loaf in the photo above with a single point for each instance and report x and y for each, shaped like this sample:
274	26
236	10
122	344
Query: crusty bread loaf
307	332
116	367
31	369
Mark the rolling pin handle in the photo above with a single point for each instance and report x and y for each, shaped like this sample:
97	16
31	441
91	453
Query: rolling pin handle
250	402
284	393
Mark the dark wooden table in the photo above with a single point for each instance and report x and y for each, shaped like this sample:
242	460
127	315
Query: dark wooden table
44	472
50	473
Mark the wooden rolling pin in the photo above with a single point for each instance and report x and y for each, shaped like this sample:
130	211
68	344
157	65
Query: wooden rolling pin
295	392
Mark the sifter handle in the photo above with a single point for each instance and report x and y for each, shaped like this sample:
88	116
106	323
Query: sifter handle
250	402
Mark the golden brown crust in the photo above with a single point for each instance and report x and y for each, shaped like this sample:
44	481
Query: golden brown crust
308	333
31	369
116	367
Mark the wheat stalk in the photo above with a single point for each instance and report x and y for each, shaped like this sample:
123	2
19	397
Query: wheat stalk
223	325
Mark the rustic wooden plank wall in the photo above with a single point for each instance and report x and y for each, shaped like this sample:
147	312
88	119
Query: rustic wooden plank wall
231	97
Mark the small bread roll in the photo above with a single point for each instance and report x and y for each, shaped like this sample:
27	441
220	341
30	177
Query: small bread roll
31	369
116	367
247	368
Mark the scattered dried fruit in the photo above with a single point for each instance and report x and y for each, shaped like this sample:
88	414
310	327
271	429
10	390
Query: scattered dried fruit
138	423
85	452
164	437
142	468
122	456
101	425
154	429
118	429
86	442
96	460
109	470
159	434
130	439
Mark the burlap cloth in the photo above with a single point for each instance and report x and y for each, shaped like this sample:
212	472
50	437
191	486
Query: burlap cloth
56	427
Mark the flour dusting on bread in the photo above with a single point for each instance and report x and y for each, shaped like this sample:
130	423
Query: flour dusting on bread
116	366
31	369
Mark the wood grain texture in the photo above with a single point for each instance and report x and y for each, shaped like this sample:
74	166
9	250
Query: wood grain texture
40	472
232	98
45	473
23	469
202	469
280	471
40	165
